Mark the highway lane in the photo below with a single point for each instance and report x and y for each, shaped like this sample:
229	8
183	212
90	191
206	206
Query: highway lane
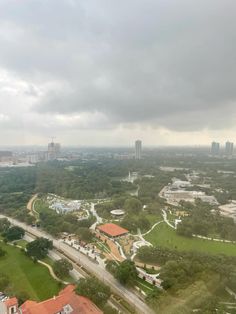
93	268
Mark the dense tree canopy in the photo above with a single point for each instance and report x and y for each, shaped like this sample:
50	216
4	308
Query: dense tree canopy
133	205
126	273
55	223
85	181
4	224
39	248
62	267
183	268
84	234
13	233
203	221
135	222
94	289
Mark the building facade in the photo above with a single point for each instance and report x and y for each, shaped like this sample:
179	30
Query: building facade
53	150
138	149
215	148
229	148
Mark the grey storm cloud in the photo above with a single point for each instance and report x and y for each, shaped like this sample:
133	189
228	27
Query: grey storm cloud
162	63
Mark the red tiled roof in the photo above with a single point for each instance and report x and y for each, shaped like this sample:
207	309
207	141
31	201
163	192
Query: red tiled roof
68	288
11	302
78	303
112	229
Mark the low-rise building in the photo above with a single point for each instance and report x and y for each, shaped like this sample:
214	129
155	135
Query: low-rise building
112	230
67	302
9	306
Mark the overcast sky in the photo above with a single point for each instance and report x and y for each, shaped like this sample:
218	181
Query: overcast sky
106	72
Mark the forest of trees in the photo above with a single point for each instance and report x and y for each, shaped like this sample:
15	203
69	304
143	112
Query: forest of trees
205	221
88	180
124	271
183	268
95	290
55	223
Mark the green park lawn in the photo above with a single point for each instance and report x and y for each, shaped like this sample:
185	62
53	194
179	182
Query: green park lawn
27	276
40	205
164	236
21	243
153	218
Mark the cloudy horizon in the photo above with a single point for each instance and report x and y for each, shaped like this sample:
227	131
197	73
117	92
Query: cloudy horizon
104	73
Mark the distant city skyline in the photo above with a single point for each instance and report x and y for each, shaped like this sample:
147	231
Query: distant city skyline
129	145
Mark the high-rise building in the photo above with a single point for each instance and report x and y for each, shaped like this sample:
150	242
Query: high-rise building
215	148
138	149
229	148
53	150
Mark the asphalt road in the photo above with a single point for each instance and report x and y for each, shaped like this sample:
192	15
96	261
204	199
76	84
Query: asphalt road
93	268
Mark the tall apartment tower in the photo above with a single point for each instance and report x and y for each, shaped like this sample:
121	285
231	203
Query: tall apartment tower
215	148
229	148
53	150
138	149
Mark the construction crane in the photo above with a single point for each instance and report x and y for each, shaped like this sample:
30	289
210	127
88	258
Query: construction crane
52	137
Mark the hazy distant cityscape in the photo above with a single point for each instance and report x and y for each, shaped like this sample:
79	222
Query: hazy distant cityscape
30	155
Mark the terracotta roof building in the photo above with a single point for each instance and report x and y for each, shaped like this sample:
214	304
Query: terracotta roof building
112	230
10	306
66	302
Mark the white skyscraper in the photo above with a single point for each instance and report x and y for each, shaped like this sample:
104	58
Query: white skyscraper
138	149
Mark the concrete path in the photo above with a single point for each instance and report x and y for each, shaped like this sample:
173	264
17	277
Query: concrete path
157	223
52	272
166	219
31	201
99	219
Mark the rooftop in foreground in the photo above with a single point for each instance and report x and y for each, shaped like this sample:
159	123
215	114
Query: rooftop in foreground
66	302
112	230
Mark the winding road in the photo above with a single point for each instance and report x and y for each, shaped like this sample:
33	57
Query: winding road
139	305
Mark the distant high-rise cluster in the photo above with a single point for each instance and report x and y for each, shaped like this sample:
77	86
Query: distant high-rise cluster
229	149
138	149
53	150
215	148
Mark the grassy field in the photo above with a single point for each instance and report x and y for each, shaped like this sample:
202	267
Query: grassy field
164	236
27	276
21	243
40	205
153	218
